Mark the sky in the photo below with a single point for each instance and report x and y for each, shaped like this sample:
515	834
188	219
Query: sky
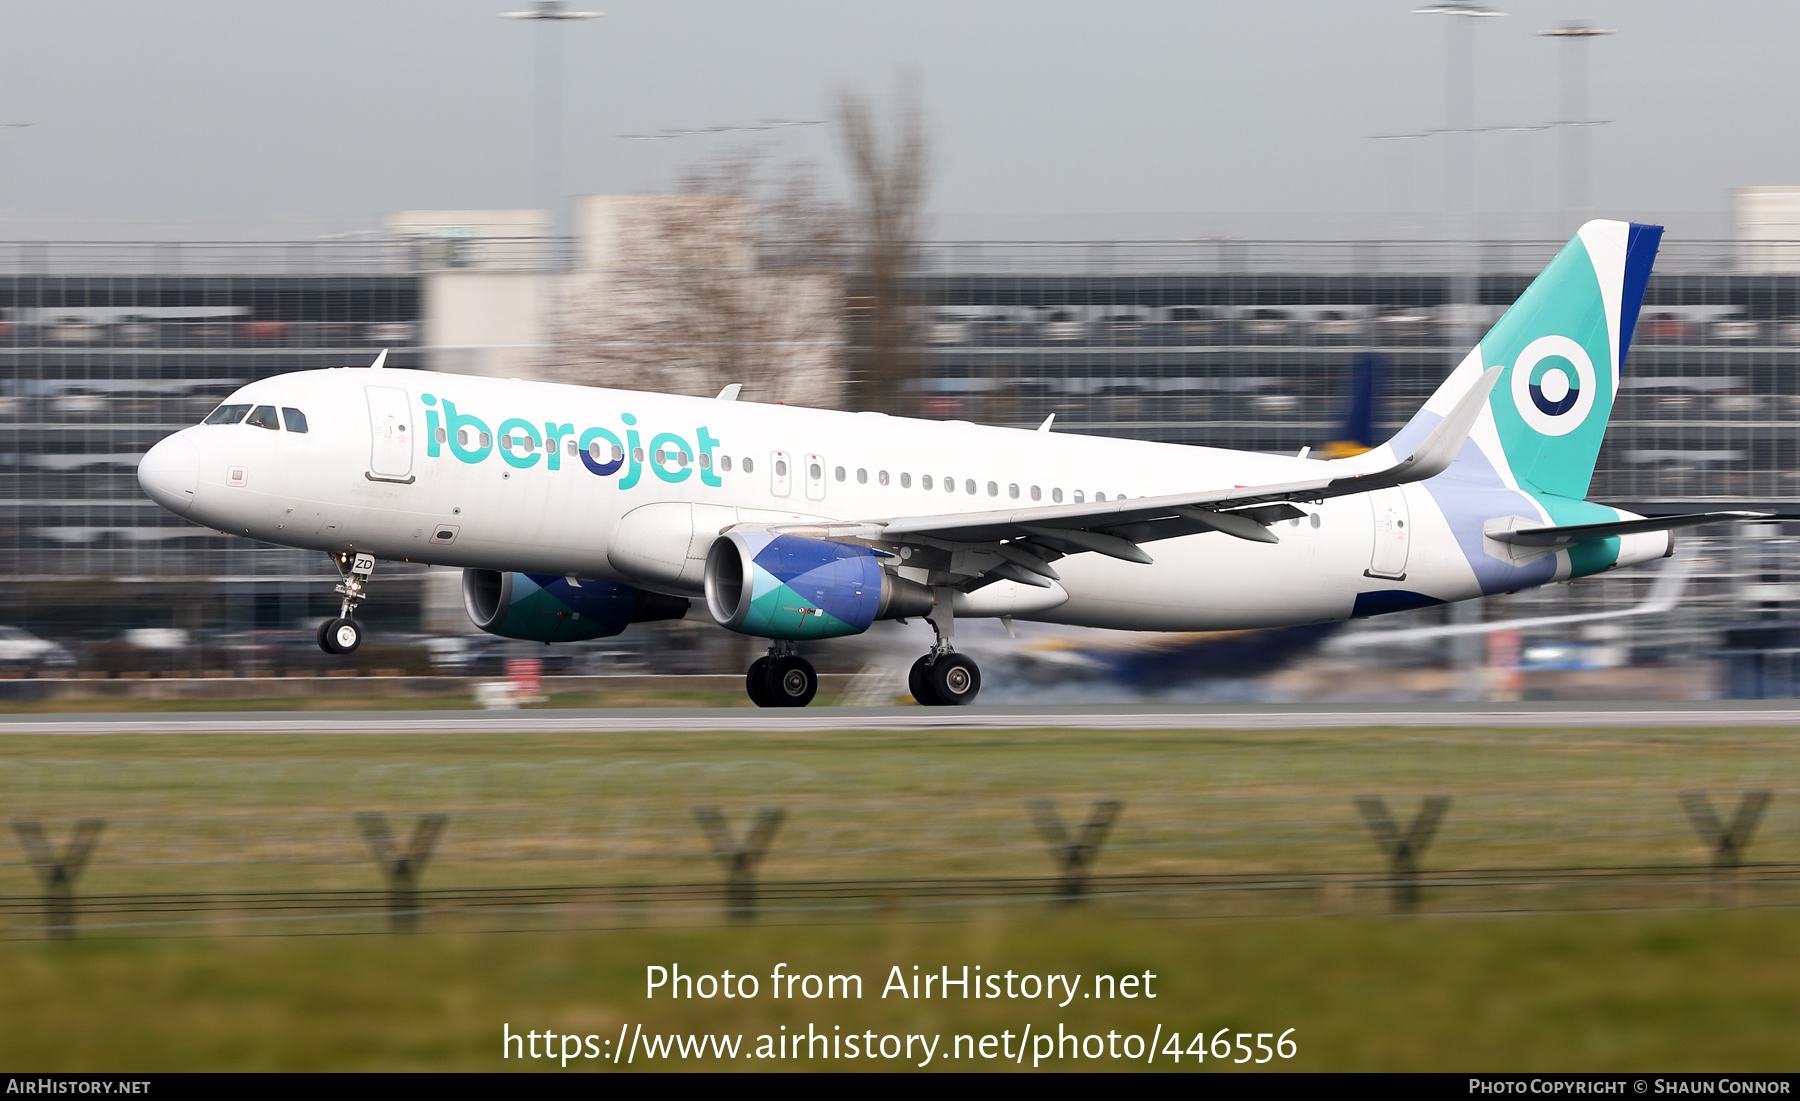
209	117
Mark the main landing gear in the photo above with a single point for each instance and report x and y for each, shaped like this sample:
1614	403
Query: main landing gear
782	679
343	634
943	677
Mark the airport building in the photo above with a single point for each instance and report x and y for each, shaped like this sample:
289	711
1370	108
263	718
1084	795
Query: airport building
1222	341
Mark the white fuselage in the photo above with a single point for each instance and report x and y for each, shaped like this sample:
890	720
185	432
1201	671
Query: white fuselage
382	469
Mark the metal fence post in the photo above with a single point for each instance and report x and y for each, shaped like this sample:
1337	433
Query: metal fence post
1403	849
402	868
59	871
740	860
1728	842
1073	855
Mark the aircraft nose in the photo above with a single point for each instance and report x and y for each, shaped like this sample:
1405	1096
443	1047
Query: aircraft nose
170	472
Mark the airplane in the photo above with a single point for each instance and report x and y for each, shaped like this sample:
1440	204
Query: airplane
576	511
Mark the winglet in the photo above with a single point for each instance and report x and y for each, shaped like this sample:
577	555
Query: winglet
379	360
1440	448
730	392
1045	427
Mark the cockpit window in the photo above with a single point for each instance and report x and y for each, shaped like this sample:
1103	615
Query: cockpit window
227	414
264	417
296	420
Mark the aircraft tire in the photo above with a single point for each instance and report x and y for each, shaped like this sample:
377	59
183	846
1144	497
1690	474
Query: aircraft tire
918	682
755	683
791	681
325	637
344	636
954	679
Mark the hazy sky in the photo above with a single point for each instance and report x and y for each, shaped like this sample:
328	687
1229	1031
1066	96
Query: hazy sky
323	113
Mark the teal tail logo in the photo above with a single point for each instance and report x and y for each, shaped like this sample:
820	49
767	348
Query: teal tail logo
1563	343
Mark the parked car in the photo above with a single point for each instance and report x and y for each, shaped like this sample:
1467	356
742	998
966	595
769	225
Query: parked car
391	332
136	331
1664	326
1063	327
22	648
73	331
263	332
1735	331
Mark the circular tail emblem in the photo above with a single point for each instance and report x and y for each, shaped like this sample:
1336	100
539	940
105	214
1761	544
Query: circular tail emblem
1559	399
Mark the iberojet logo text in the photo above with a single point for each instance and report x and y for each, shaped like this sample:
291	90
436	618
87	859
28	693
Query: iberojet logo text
600	450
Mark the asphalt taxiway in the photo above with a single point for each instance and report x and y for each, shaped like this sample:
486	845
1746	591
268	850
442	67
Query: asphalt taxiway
1657	715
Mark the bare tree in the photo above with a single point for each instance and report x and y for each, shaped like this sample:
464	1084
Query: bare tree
890	179
739	278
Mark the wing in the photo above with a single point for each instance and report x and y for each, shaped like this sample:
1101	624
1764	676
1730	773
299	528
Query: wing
1019	544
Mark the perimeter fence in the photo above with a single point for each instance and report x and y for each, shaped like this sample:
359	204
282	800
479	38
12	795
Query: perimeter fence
189	846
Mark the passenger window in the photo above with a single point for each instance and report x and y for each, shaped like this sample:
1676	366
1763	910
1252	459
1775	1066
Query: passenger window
706	462
1078	497
882	477
969	487
1098	496
1056	495
572	449
924	481
264	417
906	481
296	421
618	453
1037	494
862	477
1013	491
780	468
227	414
815	473
637	454
725	463
594	450
994	490
949	484
682	458
839	474
749	466
486	439
442	436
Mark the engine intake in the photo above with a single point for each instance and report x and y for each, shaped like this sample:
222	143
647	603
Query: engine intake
793	587
546	608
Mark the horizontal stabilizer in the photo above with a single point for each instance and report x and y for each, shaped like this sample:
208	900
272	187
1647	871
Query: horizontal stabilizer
1574	533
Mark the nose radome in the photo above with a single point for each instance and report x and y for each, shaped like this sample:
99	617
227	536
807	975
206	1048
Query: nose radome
170	472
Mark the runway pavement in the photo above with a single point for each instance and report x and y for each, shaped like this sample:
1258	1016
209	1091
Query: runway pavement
1146	717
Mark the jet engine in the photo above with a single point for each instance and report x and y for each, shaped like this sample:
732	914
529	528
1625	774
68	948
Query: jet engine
793	587
546	608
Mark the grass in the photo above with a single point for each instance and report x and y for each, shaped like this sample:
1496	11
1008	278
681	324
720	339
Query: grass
1693	991
221	811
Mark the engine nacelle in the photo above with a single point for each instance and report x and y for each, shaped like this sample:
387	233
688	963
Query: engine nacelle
793	587
546	608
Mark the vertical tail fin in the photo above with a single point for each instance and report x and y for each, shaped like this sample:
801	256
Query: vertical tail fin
1563	344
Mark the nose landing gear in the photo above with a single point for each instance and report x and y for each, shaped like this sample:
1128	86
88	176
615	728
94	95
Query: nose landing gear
783	679
343	634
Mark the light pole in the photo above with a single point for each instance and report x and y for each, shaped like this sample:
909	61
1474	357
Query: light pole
1459	101
548	15
1574	120
1459	203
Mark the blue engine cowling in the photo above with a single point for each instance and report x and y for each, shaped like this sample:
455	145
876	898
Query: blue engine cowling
546	608
793	587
